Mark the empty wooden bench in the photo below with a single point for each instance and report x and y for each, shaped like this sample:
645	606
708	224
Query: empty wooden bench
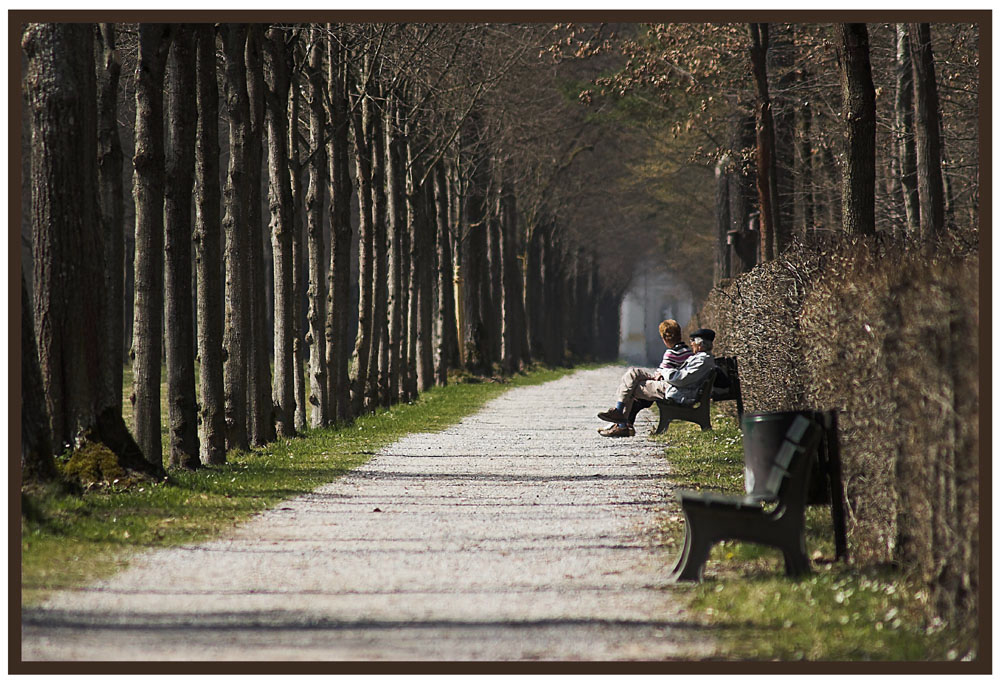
773	517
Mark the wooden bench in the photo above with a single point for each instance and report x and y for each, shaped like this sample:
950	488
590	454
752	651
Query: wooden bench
774	517
699	412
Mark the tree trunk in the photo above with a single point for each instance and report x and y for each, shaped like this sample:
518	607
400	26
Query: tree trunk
949	198
261	406
474	259
767	183
208	253
906	150
237	338
742	192
534	293
338	344
300	273
457	220
416	262
68	275
411	386
513	312
363	111
314	229
785	101
928	133
805	210
112	211
446	292
278	74
858	198
493	291
407	363
723	179
37	463
423	275
148	187
377	386
395	201
181	122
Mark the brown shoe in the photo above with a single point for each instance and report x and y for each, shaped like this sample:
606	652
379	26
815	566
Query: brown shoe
614	415
617	431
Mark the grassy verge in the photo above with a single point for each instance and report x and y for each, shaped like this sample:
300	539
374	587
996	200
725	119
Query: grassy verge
68	540
839	612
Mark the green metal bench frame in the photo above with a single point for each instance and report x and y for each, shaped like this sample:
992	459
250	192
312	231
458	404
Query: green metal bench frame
775	518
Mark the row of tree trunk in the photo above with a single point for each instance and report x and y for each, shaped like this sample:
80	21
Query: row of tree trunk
436	282
754	196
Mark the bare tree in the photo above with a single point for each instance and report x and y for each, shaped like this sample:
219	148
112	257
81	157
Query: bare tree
859	114
767	183
804	160
928	133
446	352
181	124
314	229
906	151
513	300
396	211
66	243
362	113
279	66
299	265
148	184
111	201
473	246
237	335
374	120
424	274
208	252
338	338
261	407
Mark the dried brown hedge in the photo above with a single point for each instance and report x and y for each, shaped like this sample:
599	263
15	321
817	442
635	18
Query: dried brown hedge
890	338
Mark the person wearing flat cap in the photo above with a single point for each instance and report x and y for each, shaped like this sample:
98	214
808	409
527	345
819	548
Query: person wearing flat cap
679	385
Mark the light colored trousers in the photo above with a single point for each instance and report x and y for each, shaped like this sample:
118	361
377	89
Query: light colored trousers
639	382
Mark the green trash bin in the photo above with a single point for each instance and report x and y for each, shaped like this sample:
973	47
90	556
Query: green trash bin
763	433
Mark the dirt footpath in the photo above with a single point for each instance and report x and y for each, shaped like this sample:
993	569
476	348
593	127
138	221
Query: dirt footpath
517	534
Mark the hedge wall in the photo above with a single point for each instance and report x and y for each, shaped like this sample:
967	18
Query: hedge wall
890	338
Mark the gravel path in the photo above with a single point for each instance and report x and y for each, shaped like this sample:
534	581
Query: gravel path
517	534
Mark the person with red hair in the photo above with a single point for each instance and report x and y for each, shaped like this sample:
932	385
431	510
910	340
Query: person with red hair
671	381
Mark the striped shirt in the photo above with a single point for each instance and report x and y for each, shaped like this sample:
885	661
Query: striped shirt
674	357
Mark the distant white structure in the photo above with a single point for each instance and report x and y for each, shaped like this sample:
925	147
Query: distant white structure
653	296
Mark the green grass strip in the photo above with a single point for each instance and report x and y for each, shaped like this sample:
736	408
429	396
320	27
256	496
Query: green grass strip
841	612
68	540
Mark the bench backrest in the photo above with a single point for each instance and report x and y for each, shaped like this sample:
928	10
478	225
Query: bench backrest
726	379
788	480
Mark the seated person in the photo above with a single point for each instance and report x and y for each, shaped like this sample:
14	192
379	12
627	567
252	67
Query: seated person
679	385
675	355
